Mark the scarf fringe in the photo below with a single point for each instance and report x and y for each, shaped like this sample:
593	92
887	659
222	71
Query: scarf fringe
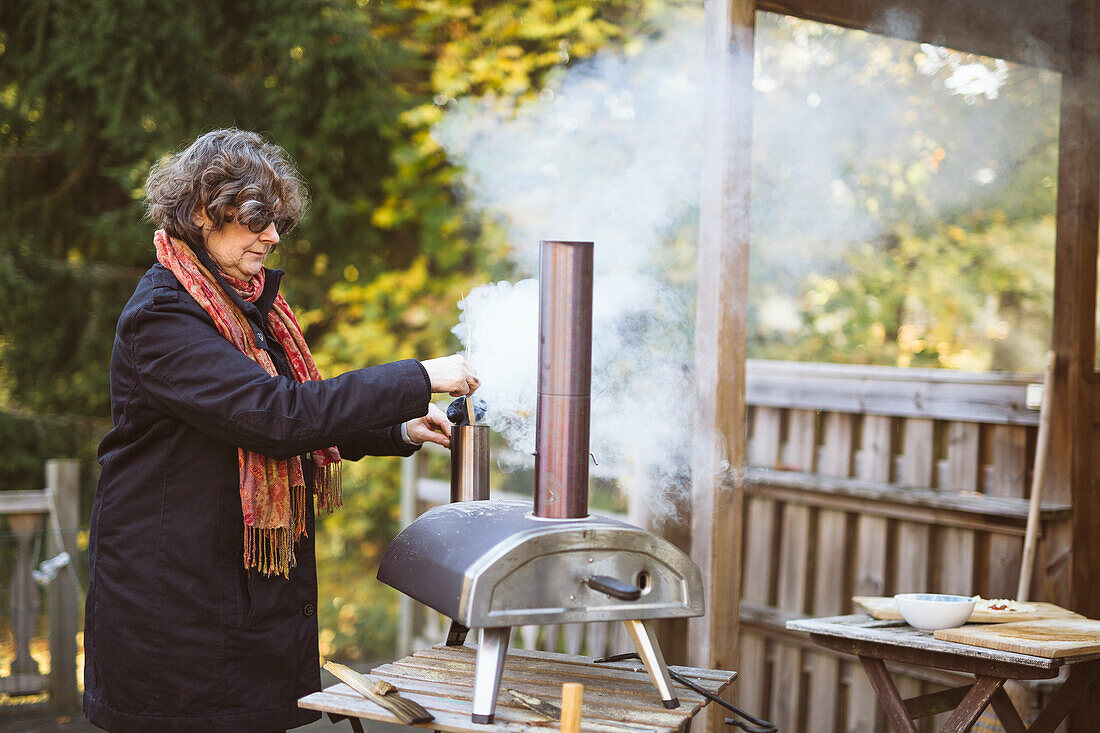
298	506
328	485
269	551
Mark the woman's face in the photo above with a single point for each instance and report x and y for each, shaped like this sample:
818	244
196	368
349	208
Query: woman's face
238	251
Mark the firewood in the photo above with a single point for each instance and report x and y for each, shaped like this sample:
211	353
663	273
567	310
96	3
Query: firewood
407	711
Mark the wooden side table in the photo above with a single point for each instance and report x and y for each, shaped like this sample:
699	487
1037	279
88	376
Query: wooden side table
877	642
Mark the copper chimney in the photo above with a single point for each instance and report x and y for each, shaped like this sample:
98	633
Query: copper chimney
565	380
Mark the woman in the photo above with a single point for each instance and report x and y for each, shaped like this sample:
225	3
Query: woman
201	606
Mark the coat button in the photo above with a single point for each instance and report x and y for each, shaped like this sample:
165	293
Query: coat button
260	336
308	609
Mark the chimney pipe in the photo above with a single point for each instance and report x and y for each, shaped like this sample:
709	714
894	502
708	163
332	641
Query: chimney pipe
565	380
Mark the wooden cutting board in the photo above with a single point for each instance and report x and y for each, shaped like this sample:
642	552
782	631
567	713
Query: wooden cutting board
1049	638
885	608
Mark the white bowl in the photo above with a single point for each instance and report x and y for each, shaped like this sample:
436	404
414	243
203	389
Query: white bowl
931	611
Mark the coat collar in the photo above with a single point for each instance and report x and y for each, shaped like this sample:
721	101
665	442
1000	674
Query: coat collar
262	306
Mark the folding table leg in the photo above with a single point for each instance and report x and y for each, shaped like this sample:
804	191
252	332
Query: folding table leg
1006	712
1080	676
356	724
887	693
973	704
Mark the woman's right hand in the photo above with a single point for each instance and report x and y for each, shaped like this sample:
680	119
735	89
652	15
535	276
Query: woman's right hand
452	374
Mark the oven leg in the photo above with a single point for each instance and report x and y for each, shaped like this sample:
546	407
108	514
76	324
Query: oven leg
645	642
456	636
492	647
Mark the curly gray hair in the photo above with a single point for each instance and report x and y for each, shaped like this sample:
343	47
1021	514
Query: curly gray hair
231	174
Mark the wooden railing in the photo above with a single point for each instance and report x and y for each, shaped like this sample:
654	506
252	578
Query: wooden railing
873	481
53	511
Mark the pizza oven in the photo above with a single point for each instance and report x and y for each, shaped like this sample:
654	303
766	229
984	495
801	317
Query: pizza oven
491	565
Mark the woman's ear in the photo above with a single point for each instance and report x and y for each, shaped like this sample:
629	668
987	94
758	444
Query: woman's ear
200	218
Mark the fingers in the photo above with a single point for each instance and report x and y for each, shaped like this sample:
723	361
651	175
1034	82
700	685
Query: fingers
420	433
430	436
434	427
468	380
438	420
453	375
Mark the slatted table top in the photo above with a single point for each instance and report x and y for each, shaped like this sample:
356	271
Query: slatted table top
618	697
862	627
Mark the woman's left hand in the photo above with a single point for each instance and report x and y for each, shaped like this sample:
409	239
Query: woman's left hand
432	428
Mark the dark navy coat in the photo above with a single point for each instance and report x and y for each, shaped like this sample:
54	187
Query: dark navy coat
178	636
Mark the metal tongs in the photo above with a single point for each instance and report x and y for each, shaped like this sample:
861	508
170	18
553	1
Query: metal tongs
754	725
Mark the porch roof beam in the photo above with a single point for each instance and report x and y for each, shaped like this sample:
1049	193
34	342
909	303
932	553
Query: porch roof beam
1032	33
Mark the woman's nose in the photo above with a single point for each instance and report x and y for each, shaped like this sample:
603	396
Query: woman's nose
270	235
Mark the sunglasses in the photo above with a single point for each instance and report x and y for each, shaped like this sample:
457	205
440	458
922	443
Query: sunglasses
258	223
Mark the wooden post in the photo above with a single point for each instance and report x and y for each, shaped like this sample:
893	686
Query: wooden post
718	450
63	601
1073	432
24	605
1074	334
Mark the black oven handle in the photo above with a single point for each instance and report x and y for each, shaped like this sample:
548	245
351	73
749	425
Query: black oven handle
614	587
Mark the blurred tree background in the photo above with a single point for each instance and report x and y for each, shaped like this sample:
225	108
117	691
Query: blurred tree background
903	202
907	248
93	92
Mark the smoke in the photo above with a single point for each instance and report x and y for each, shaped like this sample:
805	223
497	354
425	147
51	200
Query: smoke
640	380
609	154
865	143
852	133
499	326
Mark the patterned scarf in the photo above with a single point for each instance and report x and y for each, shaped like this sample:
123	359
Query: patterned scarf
273	493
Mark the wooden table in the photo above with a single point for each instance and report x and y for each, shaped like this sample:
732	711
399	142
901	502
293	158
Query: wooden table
618	697
876	642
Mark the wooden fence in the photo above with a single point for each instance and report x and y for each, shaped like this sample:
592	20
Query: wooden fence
873	481
55	513
860	481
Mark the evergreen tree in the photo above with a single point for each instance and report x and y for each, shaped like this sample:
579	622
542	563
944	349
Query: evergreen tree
95	91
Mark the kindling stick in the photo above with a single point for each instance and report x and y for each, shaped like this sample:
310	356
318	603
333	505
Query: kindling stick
552	713
1038	478
382	694
572	693
469	345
